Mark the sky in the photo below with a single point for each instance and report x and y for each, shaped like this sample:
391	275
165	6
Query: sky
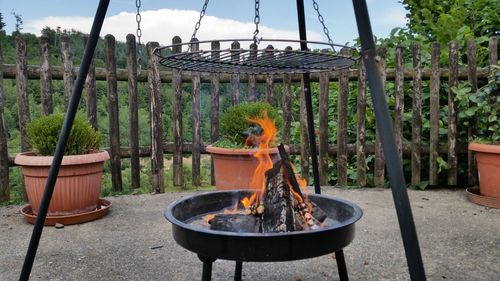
224	19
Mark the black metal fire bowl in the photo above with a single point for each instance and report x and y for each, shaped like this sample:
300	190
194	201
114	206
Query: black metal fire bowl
259	247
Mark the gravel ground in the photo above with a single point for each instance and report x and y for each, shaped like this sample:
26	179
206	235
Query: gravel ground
459	241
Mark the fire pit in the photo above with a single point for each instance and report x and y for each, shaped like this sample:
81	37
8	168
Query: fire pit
186	216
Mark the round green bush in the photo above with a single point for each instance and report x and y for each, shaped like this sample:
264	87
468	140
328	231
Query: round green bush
234	124
43	134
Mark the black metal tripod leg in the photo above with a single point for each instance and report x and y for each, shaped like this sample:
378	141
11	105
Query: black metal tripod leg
207	267
237	271
339	256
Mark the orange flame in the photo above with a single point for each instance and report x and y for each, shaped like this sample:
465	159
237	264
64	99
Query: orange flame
265	141
208	217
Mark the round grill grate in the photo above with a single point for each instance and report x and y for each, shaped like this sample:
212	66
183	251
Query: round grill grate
201	56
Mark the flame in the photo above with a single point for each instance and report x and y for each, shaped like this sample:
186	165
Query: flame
232	210
208	217
303	188
265	141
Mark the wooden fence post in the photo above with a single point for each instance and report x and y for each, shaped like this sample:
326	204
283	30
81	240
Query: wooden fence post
114	125
361	130
135	167
22	91
379	171
304	135
45	76
177	118
196	123
157	170
269	53
323	127
452	115
4	154
416	110
493	51
235	78
91	91
434	114
287	107
214	111
68	77
399	106
252	95
342	102
471	130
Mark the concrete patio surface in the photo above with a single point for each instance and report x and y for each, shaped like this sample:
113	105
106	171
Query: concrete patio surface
459	241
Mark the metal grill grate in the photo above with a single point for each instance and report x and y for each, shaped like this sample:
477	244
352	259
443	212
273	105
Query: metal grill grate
254	60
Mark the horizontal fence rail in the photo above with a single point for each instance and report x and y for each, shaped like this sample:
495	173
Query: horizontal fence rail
349	146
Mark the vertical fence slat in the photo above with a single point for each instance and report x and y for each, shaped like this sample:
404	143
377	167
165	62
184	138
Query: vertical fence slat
342	127
114	125
304	135
323	127
416	117
235	78
135	167
157	170
22	91
252	95
471	130
379	171
196	123
434	114
91	90
68	78
399	106
177	118
214	112
287	107
45	76
452	115
269	53
361	130
4	155
493	50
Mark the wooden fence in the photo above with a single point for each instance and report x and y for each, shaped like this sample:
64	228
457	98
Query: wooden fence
154	76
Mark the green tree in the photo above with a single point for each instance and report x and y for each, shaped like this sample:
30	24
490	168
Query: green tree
443	21
2	23
19	22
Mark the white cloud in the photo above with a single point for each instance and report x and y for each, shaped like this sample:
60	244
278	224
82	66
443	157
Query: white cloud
162	25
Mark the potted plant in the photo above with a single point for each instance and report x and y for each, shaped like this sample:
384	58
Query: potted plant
241	137
485	107
78	186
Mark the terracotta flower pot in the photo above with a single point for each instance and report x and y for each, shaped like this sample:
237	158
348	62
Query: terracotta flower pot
234	168
488	165
78	184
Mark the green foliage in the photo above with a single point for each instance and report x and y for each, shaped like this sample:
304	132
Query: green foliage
235	124
43	134
444	21
482	107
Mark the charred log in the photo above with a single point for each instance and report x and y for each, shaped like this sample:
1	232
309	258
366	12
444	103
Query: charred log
236	223
278	202
318	213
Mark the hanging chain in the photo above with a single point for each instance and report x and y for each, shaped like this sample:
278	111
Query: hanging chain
256	20
197	25
322	21
139	34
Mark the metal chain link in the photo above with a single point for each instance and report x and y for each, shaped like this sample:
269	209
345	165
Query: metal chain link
197	25
322	21
139	35
138	20
256	20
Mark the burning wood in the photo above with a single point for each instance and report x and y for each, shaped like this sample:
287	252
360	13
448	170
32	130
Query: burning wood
280	207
